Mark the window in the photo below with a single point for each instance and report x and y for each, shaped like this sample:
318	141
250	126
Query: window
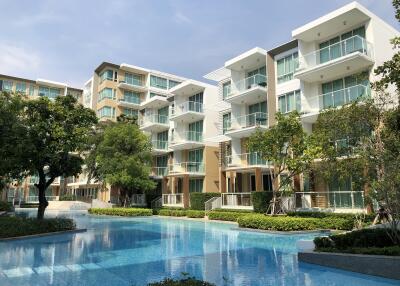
158	82
286	67
262	70
132	97
257	114
342	91
7	85
106	75
226	122
20	87
31	90
195	131
161	164
196	102
341	194
49	92
196	185
163	115
107	93
195	162
133	79
172	83
289	102
106	111
162	136
130	112
226	89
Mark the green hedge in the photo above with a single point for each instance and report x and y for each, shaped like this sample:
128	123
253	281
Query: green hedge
285	223
226	215
195	213
122	211
261	201
18	226
191	281
6	207
197	200
368	217
172	212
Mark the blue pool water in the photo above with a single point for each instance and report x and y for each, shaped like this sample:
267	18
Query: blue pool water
135	251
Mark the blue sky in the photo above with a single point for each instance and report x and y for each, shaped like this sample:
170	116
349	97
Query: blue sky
66	40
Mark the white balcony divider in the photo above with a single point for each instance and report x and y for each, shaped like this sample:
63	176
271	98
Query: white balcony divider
160	145
246	159
138	199
186	167
236	200
339	199
188	106
159	171
249	120
172	199
335	51
247	83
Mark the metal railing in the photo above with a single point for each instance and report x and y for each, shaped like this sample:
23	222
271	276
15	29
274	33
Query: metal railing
213	203
246	84
236	200
154	118
249	120
188	106
160	145
335	51
172	199
334	200
186	167
138	200
157	203
246	159
159	171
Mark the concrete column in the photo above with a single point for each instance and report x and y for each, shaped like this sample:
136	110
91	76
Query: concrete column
259	186
222	181
271	96
164	185
186	194
232	180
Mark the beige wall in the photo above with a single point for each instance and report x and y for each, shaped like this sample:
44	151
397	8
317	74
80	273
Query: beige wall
211	179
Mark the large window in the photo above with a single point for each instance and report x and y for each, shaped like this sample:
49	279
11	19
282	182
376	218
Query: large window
341	194
134	79
196	185
106	75
106	111
262	70
344	90
158	82
31	90
130	112
20	87
163	115
195	162
286	67
172	83
106	93
226	122
7	85
195	131
49	92
226	89
132	97
257	114
289	102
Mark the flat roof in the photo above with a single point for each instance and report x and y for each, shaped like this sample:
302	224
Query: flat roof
283	48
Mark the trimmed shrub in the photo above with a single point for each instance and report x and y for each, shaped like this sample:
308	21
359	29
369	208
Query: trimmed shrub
122	211
18	226
197	200
172	212
191	281
233	211
5	207
261	201
195	213
368	217
226	215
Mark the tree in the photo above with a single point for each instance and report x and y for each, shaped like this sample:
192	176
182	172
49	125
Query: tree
121	157
51	135
286	147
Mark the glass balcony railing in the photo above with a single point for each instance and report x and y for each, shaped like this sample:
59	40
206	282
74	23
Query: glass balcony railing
188	106
186	167
172	199
160	145
159	171
133	81
154	118
335	51
247	83
130	99
249	120
246	159
334	199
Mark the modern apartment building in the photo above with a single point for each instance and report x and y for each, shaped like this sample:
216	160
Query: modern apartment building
26	191
329	63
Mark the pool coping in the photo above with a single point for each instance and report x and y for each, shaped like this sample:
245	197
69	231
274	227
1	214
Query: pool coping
5	239
315	231
377	265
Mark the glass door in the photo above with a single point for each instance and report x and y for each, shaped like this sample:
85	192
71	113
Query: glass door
195	161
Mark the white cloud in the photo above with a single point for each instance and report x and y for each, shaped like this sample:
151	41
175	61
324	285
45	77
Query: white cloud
14	60
180	18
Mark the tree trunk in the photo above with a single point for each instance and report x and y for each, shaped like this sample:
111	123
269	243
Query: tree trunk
42	201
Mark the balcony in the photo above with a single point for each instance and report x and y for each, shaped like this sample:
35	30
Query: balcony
337	60
133	85
237	201
244	126
245	160
191	168
154	122
338	98
172	200
250	90
129	102
159	147
186	140
159	172
155	102
188	112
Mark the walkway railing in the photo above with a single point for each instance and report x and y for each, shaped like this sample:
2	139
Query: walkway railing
213	203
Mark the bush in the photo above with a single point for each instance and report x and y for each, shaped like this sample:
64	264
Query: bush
195	213
5	207
226	215
67	198
18	226
191	281
261	201
197	200
122	211
355	239
368	217
172	212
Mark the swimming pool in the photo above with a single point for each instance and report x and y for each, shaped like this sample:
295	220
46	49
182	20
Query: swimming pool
134	251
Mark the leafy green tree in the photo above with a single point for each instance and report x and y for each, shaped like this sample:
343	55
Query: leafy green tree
121	157
286	147
51	135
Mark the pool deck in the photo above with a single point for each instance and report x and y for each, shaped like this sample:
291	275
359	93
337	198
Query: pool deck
42	235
